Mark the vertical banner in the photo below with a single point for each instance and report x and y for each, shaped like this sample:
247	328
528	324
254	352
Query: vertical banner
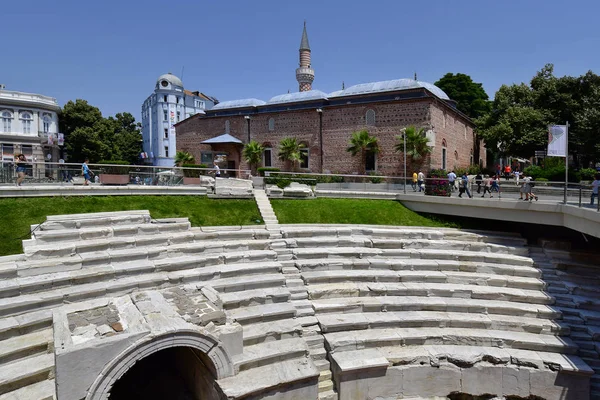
557	141
50	139
61	139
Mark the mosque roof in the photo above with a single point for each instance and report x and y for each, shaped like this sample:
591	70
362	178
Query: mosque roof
242	103
388	86
298	96
169	77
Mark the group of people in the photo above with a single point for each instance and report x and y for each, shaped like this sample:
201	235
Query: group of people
418	180
489	185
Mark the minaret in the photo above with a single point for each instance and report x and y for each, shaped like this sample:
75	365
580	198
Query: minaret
305	75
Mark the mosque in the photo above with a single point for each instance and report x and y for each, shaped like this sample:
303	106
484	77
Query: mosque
324	122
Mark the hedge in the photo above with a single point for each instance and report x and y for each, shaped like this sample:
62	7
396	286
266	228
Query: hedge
114	170
261	170
193	173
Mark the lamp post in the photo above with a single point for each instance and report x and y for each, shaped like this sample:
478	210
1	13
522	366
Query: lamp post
247	118
404	153
320	111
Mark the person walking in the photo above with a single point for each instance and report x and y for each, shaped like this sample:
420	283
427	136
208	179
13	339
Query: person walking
216	170
526	189
517	175
595	185
464	186
495	185
452	180
414	181
486	186
478	181
421	180
87	173
21	163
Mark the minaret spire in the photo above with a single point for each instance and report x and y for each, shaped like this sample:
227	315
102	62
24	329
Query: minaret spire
305	75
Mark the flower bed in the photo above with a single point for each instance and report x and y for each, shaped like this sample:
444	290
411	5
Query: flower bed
437	184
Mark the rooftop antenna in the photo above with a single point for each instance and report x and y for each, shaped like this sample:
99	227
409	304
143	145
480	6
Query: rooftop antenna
343	85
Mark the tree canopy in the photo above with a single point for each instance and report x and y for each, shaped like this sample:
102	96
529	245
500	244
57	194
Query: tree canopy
253	152
470	96
89	135
290	151
417	147
518	121
361	143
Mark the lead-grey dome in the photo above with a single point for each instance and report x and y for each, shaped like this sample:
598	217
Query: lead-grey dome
242	103
298	96
169	77
389	86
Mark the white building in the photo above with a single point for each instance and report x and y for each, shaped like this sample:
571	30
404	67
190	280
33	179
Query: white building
169	104
28	125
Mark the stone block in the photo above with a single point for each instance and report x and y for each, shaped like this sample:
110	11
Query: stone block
231	337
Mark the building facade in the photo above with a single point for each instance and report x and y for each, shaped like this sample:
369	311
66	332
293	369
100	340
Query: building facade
324	124
166	106
29	125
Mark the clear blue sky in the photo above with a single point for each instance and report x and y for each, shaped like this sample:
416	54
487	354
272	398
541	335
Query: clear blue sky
111	52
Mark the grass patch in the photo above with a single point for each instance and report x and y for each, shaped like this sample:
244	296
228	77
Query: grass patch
351	211
19	213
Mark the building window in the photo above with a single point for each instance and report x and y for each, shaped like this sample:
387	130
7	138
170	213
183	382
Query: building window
227	126
206	157
267	157
178	116
444	117
8	152
27	151
370	161
165	115
166	133
26	119
370	117
304	157
46	123
471	158
177	99
167	151
6	121
165	98
199	104
271	124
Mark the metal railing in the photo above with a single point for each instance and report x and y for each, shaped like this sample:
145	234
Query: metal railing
46	173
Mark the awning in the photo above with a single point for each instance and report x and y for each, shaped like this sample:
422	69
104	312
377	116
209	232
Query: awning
224	138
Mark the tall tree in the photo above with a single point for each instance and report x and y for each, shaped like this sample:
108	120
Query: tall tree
290	151
470	96
361	143
127	139
417	147
78	114
252	153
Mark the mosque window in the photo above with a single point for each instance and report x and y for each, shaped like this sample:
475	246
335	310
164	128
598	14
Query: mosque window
6	121
304	156
227	126
26	119
268	157
370	161
444	154
471	158
271	124
370	117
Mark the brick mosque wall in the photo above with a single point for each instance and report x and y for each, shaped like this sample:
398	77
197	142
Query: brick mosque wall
339	122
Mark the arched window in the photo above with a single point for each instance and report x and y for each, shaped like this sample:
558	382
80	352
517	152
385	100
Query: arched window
46	120
444	153
227	126
267	155
304	155
26	119
6	121
471	158
370	117
271	124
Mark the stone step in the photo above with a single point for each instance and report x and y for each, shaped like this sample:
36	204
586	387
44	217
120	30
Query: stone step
43	390
463	278
353	289
26	345
322	365
25	323
229	233
415	264
367	304
262	313
78	221
270	377
328	395
24	372
242	283
325	375
364	252
325	386
264	353
272	330
255	297
353	340
436	319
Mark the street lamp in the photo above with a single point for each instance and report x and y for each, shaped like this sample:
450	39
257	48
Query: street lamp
247	118
404	152
320	111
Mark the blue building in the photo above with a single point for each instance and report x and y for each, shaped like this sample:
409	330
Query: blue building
169	104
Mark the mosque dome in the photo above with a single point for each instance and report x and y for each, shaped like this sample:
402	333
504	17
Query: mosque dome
243	103
298	96
389	86
166	79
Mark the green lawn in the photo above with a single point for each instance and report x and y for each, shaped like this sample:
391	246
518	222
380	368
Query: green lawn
17	214
350	211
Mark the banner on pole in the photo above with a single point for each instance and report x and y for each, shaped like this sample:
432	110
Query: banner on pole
557	141
61	139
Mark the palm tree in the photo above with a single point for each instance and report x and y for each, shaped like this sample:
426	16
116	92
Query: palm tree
253	154
416	143
183	157
289	151
361	142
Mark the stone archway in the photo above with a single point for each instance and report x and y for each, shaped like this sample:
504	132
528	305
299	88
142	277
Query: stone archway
211	353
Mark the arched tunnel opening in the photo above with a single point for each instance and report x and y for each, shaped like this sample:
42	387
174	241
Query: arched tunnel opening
177	373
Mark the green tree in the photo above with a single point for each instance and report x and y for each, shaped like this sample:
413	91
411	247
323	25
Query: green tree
470	96
252	153
290	151
184	157
127	138
361	143
78	114
417	147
